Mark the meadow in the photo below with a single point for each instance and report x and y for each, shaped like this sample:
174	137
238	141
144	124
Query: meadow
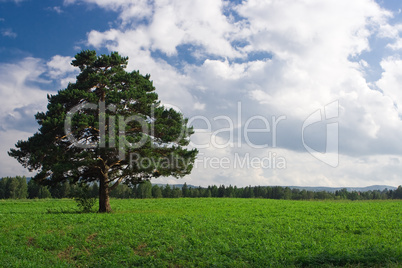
203	232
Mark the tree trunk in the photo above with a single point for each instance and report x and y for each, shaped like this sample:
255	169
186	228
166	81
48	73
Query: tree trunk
104	204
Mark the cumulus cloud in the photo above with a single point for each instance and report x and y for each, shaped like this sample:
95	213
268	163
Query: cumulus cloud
23	90
10	167
391	81
20	97
60	69
169	24
312	58
25	85
19	87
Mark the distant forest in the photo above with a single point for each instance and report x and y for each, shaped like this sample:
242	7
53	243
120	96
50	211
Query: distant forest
18	188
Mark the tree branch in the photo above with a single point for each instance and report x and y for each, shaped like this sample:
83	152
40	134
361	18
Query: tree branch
115	164
116	183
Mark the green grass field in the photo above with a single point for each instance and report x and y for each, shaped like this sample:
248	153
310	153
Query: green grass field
202	233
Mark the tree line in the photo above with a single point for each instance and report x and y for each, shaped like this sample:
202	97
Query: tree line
19	188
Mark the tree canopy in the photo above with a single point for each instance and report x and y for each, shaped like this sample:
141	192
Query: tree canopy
108	127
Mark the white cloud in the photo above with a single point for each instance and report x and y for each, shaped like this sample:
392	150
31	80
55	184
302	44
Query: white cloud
20	99
26	83
129	10
56	9
16	88
60	68
8	33
265	168
295	28
23	90
172	23
396	45
391	80
393	32
199	106
10	166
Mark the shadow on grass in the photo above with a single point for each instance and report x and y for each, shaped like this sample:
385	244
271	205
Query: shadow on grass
68	211
369	257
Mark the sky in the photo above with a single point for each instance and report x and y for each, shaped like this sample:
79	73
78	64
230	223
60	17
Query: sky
305	92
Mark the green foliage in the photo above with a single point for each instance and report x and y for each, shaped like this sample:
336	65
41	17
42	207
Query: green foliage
13	187
44	192
38	191
33	189
82	195
61	190
202	232
167	191
156	192
185	190
144	190
398	193
122	191
176	192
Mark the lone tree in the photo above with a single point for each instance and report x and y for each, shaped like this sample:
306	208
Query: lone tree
109	128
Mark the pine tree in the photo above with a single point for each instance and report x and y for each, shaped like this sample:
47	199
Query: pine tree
107	127
156	192
185	191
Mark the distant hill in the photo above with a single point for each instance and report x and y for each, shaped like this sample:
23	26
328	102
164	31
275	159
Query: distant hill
349	189
312	188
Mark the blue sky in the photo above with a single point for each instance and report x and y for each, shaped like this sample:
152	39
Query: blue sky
258	80
42	29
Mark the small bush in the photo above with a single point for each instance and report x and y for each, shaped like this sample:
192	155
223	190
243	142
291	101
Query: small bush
84	198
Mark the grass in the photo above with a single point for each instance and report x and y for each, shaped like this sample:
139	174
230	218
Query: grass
202	233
